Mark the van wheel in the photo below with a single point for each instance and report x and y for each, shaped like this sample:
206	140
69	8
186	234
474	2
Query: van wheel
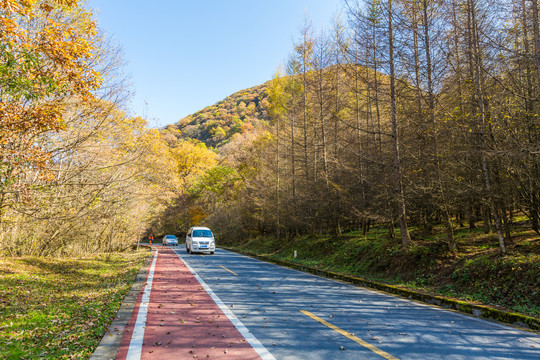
211	253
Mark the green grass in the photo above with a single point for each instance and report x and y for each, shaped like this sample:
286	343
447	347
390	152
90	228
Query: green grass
477	273
60	308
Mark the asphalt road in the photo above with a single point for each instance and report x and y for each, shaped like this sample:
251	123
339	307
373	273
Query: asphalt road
295	315
174	318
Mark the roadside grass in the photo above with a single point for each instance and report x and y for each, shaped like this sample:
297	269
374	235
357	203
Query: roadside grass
476	273
59	308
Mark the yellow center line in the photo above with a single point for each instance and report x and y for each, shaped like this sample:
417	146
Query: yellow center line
232	272
365	344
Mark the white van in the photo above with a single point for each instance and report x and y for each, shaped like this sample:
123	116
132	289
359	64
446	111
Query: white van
200	239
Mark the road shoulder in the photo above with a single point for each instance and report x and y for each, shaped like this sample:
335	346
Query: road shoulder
518	321
109	345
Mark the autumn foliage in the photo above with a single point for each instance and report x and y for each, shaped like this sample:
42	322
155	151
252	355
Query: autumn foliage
419	115
45	48
76	173
218	124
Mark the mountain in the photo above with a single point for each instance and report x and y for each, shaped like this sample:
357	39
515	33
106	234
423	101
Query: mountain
215	125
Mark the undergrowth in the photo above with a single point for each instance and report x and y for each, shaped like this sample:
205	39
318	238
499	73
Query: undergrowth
53	308
476	273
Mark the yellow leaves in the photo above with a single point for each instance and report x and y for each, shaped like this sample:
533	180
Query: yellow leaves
23	8
192	158
10	5
69	3
197	215
46	7
7	25
45	62
20	6
59	43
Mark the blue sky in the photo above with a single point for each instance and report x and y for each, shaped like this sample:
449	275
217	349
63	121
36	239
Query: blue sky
184	55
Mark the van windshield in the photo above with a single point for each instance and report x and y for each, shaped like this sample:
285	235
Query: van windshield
202	233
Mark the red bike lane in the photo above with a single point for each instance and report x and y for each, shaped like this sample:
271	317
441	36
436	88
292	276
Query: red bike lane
183	322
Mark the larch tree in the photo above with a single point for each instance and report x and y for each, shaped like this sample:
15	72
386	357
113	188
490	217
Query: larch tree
398	180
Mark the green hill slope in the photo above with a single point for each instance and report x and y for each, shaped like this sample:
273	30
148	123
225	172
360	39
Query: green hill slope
215	125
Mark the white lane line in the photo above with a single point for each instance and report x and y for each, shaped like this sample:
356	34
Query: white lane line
253	341
136	343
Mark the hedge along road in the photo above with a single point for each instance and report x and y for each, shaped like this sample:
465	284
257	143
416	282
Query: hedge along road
294	315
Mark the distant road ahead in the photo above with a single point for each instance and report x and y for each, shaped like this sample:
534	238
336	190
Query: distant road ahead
301	316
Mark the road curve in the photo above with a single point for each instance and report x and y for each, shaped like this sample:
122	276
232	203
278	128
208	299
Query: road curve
295	315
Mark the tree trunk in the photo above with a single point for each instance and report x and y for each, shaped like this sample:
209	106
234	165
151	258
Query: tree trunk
483	129
536	30
398	192
433	132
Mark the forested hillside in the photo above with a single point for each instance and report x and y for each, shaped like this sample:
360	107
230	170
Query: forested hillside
406	113
418	119
215	125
